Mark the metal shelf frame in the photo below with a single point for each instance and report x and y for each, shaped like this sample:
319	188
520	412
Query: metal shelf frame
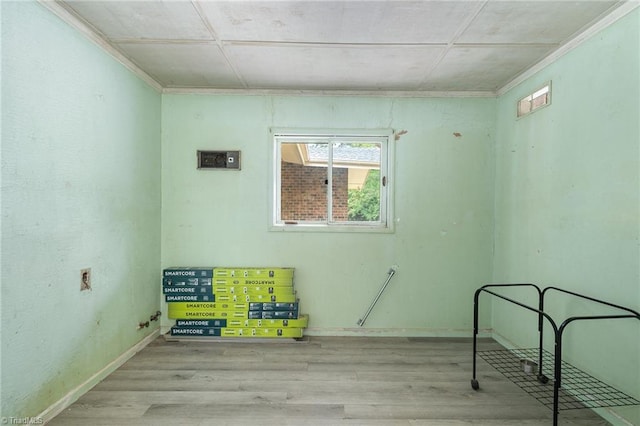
543	357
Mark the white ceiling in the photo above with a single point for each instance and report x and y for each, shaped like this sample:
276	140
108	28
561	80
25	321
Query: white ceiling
354	45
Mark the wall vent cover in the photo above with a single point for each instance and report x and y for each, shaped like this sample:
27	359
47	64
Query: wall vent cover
225	160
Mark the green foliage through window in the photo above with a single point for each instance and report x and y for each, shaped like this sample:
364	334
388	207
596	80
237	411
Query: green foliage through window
364	203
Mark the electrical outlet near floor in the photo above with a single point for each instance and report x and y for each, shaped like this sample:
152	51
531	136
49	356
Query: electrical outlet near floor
85	279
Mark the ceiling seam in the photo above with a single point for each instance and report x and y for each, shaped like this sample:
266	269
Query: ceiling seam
219	42
327	44
463	27
418	87
335	93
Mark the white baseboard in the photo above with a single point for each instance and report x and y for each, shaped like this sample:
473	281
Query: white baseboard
612	417
57	407
394	332
504	341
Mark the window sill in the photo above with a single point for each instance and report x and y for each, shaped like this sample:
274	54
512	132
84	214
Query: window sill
311	227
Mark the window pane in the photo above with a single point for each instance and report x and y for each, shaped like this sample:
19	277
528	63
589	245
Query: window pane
332	181
537	99
340	194
303	186
364	203
356	182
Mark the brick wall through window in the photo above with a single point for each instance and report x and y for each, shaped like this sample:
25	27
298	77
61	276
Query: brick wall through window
304	194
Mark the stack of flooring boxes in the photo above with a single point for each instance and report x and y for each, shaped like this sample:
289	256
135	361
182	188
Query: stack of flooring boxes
233	302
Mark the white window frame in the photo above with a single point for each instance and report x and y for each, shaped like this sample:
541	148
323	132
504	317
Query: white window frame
387	140
525	106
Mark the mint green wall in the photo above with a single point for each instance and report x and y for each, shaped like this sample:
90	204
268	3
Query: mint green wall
568	197
80	188
84	167
443	204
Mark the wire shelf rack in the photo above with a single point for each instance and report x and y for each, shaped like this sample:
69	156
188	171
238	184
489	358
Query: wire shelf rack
579	389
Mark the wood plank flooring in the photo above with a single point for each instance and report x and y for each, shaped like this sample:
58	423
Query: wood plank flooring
318	381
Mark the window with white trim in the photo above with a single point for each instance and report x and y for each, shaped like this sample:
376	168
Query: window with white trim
337	181
538	99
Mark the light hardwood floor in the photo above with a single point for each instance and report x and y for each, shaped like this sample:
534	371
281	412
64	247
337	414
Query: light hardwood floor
318	381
